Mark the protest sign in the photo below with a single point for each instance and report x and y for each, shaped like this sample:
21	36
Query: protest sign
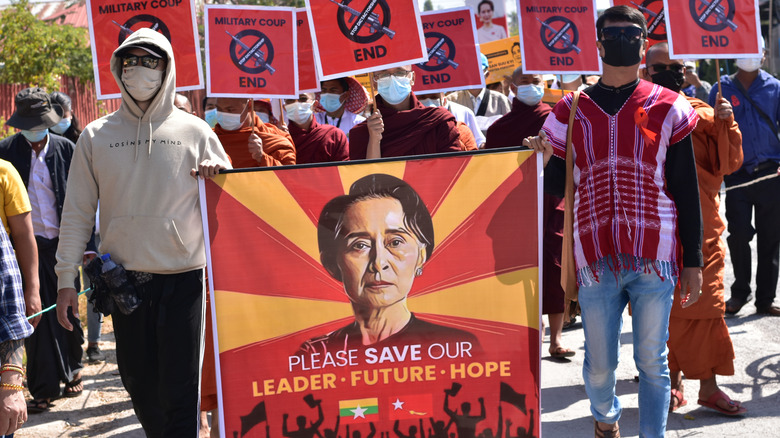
307	70
719	29
490	18
360	36
654	13
112	21
251	51
558	36
453	53
503	58
298	258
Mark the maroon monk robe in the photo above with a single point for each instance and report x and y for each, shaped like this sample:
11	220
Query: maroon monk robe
417	131
319	143
523	121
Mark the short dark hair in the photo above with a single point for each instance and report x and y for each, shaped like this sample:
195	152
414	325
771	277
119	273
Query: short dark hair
514	44
342	81
417	218
62	100
485	2
621	13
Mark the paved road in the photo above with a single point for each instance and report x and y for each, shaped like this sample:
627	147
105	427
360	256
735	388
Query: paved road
756	383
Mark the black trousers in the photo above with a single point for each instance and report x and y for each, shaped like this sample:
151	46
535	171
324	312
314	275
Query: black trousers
53	353
158	349
761	200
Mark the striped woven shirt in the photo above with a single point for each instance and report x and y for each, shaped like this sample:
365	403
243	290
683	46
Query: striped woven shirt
13	322
622	206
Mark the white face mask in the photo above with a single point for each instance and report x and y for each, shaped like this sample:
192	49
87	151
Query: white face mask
749	64
229	121
529	94
430	102
142	83
298	112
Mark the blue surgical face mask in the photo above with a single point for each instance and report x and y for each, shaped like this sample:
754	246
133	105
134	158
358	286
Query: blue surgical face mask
62	126
529	94
331	102
35	136
210	116
394	90
430	102
298	112
569	78
263	117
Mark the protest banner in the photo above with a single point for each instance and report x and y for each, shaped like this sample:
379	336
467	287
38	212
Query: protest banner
251	51
653	10
360	36
558	36
490	19
307	70
112	21
715	29
503	58
300	259
453	53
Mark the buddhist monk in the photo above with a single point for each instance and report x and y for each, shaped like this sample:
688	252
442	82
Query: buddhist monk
314	142
699	343
248	140
401	125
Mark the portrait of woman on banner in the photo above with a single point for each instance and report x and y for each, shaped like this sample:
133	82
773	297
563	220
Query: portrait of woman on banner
376	240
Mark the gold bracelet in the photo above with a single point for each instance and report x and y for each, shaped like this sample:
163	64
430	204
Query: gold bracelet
11	386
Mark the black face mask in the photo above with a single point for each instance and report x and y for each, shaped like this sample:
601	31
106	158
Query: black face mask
622	52
670	79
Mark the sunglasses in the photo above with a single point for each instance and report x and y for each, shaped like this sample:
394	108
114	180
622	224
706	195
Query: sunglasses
145	61
613	32
672	67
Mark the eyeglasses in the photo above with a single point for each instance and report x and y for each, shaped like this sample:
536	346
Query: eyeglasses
672	67
399	74
613	32
146	61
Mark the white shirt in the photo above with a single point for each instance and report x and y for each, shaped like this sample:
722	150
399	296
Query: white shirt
42	200
476	101
465	115
345	122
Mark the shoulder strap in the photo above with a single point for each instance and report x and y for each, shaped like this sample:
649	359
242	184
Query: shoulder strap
484	104
741	89
568	266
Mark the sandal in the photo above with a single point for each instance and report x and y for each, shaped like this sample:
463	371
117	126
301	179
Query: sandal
613	433
712	403
561	353
69	391
38	406
677	401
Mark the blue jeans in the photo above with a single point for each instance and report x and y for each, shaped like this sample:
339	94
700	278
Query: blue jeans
602	305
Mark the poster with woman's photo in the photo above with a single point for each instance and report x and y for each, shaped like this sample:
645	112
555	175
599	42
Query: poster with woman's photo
368	299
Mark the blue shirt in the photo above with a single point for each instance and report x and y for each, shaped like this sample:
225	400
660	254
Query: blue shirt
759	142
13	322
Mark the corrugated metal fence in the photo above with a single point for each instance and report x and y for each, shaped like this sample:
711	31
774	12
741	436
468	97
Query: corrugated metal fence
85	104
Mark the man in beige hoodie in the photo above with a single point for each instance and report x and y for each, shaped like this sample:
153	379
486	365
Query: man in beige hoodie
139	162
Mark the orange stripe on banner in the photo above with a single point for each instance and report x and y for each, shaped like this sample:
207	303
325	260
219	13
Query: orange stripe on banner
244	319
517	293
477	182
350	174
284	214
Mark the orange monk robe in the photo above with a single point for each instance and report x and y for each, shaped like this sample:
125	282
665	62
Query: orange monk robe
699	341
467	141
278	146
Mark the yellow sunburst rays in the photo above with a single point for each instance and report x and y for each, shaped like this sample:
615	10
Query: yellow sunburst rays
244	319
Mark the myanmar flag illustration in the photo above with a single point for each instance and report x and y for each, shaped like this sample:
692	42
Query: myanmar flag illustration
359	411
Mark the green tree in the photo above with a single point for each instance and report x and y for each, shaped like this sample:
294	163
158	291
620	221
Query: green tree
428	5
38	53
512	22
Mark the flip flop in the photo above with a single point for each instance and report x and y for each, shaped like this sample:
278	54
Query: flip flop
70	385
678	400
38	406
712	403
561	353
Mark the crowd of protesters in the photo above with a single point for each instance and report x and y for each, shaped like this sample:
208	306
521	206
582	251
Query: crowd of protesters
67	189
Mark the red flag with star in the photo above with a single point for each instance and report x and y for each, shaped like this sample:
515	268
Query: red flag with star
414	406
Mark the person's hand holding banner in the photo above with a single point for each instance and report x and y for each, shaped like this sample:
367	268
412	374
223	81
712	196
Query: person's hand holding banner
256	147
376	127
540	144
